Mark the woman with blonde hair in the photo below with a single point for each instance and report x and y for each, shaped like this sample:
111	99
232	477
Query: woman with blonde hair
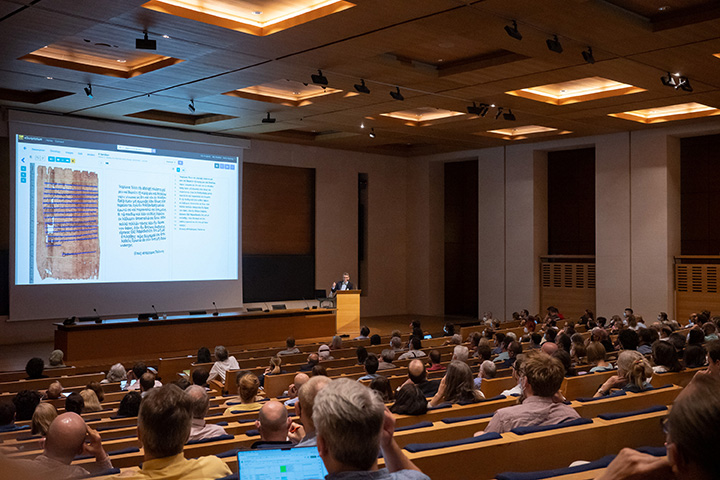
457	386
248	387
92	404
633	374
43	416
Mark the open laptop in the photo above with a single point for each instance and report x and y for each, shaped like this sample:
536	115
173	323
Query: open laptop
297	463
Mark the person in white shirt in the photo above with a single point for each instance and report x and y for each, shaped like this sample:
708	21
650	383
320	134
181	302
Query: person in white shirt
223	364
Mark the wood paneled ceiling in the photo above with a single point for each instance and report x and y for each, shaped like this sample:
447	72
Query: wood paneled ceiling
441	54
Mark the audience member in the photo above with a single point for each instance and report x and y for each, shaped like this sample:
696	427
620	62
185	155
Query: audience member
147	383
566	361
414	351
483	352
460	353
396	344
597	357
182	382
290	348
371	367
133	376
129	405
632	374
362	355
713	360
417	374
53	391
665	358
514	349
364	333
164	425
435	359
305	436
387	356
696	336
273	369
563	342
34	368
293	389
74	403
223	363
487	370
646	337
44	415
694	356
677	340
248	386
117	373
7	417
535	340
200	377
90	401
352	427
542	376
409	401
381	384
274	425
336	343
56	359
319	370
199	405
25	402
97	388
203	355
549	347
313	359
324	353
457	386
691	440
68	436
375	339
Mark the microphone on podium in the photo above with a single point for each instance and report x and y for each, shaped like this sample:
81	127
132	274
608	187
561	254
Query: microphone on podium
156	313
97	316
215	313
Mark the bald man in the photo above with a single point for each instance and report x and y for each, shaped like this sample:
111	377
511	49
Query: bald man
549	348
305	435
200	430
300	380
67	437
417	374
54	391
273	424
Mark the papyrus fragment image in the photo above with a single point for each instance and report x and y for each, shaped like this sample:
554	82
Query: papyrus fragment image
68	237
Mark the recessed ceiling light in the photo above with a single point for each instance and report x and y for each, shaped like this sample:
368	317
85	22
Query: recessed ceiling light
664	8
49	78
166	36
682	111
574	91
121	60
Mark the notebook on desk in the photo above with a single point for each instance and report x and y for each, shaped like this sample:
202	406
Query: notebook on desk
298	463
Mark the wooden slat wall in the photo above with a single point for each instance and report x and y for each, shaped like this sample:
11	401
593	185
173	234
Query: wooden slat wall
696	287
568	286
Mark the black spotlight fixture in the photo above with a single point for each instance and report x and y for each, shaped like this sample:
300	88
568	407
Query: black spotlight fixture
319	79
484	108
397	95
474	109
509	115
145	43
191	106
513	31
684	85
88	91
268	119
361	87
554	45
677	81
588	56
372	133
499	112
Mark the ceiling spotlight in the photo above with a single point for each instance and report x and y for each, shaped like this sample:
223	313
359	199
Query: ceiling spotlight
397	95
509	115
474	109
684	84
319	79
362	88
588	55
88	91
372	133
513	31
676	81
191	106
499	112
554	44
145	43
268	119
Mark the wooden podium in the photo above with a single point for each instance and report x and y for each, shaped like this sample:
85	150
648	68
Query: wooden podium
348	311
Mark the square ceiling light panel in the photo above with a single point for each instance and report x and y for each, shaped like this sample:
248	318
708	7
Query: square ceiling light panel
521	133
100	57
682	111
422	116
575	91
285	92
257	17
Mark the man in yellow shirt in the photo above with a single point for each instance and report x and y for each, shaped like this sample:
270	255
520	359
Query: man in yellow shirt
163	428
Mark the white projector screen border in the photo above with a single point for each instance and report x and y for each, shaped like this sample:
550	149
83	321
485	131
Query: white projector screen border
57	301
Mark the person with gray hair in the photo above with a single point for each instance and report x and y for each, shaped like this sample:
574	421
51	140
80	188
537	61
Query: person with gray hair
396	344
56	359
223	363
460	352
352	426
199	430
306	435
117	373
487	370
386	358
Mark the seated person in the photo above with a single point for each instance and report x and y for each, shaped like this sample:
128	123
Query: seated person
691	439
375	339
74	403
435	359
90	401
371	367
98	389
273	369
396	343
313	359
364	333
34	368
353	426
513	350
713	360
665	358
117	373
694	356
362	355
461	353
381	384
25	402
542	376
147	382
200	377
56	359
293	389
44	415
223	363
387	356
417	374
53	391
324	353
203	355
597	357
632	374
409	401
290	348
456	386
7	417
305	434
129	405
164	426
487	369
273	424
199	406
414	351
248	386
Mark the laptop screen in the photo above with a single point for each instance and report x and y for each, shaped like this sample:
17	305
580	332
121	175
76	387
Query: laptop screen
298	463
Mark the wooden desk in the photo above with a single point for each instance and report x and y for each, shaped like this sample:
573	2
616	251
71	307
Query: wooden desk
130	337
